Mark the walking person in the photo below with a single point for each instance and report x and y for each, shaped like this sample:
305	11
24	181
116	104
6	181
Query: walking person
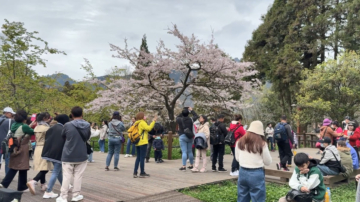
19	161
74	154
270	136
204	132
40	164
103	135
239	132
158	130
115	137
52	152
185	122
253	154
284	130
143	128
220	132
6	120
129	144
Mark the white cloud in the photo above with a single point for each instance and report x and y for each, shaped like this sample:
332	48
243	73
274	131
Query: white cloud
84	28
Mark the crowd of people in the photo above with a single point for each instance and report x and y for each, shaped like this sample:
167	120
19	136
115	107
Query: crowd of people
61	145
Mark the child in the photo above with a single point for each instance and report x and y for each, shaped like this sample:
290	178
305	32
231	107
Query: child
307	178
158	145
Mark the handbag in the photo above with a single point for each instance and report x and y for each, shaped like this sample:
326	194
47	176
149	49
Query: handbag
342	168
88	147
120	134
189	133
298	196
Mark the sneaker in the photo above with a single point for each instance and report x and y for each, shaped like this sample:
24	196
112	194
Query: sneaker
127	155
278	166
31	185
190	167
203	170
222	170
195	170
182	169
60	199
143	175
43	187
235	173
130	155
214	169
116	169
157	161
161	161
135	176
286	169
50	195
77	198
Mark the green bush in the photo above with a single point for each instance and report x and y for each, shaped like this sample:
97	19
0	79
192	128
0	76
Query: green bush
227	191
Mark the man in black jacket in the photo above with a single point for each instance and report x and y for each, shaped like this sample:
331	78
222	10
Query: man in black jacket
219	149
285	152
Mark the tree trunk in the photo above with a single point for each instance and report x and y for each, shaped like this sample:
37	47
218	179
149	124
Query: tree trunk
171	125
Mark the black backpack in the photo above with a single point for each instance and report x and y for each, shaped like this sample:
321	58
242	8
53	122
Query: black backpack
230	137
214	135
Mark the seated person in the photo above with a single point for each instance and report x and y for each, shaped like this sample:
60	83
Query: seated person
307	178
330	160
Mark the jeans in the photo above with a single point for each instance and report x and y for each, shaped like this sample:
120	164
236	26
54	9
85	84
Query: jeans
140	159
326	170
235	165
90	156
7	159
158	155
271	140
251	185
186	148
128	145
219	150
114	150
148	149
21	181
102	145
56	174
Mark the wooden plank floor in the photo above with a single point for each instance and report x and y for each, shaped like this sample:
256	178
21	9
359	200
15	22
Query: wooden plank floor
99	185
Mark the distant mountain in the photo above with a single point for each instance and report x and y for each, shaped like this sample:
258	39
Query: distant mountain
62	78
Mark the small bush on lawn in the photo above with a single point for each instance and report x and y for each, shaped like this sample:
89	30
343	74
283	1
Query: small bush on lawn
227	191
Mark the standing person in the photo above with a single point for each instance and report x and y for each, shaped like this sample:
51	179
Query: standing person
115	136
336	127
94	133
270	133
6	120
74	154
219	129
185	122
129	144
345	123
253	154
141	146
158	130
158	145
239	132
205	131
40	164
19	161
213	121
52	152
285	153
103	135
353	135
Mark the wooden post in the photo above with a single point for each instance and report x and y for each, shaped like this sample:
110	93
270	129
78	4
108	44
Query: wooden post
170	140
123	145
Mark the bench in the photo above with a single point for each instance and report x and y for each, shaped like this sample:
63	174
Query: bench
329	181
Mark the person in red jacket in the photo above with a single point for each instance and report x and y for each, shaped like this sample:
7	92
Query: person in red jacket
239	132
353	134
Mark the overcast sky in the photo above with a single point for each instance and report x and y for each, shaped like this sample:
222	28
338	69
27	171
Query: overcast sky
84	28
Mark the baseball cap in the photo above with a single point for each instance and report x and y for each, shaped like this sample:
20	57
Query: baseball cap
116	113
9	110
325	140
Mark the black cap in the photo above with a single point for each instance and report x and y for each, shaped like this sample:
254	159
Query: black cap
325	140
347	117
116	113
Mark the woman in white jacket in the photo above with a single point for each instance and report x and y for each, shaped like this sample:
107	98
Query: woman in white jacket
203	128
94	133
103	136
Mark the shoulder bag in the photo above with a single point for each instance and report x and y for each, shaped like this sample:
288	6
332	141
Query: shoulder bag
88	147
120	134
341	167
189	133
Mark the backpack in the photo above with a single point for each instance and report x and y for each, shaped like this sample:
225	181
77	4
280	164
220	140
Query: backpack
214	135
134	135
230	137
280	133
7	145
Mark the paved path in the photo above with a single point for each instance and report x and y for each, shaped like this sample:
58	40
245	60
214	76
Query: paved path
108	186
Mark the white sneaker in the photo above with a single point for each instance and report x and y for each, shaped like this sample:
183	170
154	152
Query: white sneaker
130	155
50	195
235	173
127	155
78	198
60	199
91	161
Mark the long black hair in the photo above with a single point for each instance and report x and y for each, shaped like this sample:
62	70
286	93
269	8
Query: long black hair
106	123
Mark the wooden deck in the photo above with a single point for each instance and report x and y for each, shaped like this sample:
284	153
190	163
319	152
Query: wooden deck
108	186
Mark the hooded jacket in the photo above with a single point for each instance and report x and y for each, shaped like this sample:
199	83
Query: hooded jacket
329	133
312	180
239	133
328	158
354	139
74	150
4	127
116	128
54	144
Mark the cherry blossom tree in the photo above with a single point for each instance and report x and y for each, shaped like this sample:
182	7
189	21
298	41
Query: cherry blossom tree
207	74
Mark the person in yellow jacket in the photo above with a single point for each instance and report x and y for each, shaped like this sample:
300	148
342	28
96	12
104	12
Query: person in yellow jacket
141	146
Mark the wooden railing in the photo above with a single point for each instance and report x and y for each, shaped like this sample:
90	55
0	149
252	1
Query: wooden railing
307	140
170	137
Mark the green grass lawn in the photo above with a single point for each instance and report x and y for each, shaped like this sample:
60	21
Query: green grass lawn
227	192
